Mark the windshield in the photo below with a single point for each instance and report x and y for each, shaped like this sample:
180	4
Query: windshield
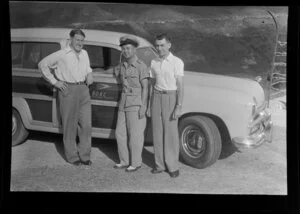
146	54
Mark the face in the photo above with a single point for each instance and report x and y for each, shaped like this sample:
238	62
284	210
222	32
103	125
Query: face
128	51
77	42
162	47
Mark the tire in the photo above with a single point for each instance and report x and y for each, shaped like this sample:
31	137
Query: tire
200	141
19	132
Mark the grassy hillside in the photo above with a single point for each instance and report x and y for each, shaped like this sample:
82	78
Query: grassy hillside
237	41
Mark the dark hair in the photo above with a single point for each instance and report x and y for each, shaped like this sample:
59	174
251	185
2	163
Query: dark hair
163	36
76	31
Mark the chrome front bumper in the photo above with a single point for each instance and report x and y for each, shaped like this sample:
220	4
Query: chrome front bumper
263	134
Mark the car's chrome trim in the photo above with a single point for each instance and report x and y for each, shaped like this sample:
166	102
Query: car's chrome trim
104	103
32	96
263	134
48	127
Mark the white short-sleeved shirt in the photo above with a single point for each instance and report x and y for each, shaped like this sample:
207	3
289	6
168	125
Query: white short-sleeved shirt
165	72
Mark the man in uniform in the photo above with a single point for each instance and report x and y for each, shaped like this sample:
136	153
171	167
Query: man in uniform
165	107
131	121
72	76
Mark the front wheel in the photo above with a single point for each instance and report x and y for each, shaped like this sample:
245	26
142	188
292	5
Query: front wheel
200	141
19	132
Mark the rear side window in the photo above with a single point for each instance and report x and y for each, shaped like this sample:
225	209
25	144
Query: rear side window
29	54
49	48
16	54
32	55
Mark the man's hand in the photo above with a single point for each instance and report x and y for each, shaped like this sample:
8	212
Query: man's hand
142	112
89	78
176	112
148	113
61	85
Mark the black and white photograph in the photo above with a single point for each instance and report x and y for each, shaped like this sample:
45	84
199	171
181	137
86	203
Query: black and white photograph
148	98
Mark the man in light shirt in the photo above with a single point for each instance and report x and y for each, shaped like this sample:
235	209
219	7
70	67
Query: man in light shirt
166	95
72	75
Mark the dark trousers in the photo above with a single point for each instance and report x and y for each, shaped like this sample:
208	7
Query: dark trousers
75	110
165	131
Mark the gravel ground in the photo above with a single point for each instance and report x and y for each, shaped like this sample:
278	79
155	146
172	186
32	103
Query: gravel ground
38	165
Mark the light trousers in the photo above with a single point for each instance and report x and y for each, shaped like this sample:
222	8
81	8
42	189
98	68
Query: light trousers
130	137
165	131
75	110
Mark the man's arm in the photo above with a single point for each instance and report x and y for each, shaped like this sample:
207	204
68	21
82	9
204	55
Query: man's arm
180	90
89	76
144	92
47	62
179	97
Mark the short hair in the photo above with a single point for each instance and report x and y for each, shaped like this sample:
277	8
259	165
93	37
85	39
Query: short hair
76	31
163	36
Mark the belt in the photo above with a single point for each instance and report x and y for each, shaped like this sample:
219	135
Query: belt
75	83
164	91
132	90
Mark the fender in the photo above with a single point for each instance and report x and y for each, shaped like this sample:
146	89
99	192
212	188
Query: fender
22	107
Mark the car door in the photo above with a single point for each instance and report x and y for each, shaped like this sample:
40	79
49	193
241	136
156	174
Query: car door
27	80
106	89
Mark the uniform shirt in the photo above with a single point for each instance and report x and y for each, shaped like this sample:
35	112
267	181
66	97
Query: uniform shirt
165	72
67	66
131	76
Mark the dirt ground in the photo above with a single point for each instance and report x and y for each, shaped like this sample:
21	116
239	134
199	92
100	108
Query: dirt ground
38	165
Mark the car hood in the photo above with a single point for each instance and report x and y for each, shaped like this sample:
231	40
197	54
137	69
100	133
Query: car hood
249	87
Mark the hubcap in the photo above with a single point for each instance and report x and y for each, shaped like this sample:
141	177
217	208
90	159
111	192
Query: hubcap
193	141
14	124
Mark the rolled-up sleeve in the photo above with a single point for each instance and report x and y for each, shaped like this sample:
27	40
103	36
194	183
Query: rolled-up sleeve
45	64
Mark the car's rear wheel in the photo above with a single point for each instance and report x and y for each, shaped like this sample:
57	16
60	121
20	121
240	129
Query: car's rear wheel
200	141
19	132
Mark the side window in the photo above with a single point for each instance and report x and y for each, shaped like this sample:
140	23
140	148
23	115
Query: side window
49	48
96	56
32	55
114	57
16	54
102	59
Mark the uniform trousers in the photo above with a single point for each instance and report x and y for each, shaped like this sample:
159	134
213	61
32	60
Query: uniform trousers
75	110
165	131
130	137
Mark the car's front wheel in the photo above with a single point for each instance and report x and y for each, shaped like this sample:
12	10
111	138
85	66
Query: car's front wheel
200	141
19	132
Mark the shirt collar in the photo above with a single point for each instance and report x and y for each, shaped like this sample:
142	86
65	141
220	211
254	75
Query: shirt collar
134	63
168	58
69	49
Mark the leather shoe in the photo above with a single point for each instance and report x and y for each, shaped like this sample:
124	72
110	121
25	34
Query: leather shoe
76	163
120	166
87	163
132	169
156	171
174	174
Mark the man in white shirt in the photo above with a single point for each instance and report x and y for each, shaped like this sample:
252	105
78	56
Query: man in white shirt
166	95
72	75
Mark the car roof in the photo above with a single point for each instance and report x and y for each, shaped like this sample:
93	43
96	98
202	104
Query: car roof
109	37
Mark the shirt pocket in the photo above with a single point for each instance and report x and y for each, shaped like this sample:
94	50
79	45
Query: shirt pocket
133	80
133	100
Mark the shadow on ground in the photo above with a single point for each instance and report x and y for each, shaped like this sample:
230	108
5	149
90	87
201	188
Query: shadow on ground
107	146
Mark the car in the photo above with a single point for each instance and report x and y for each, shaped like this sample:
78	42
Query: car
216	108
